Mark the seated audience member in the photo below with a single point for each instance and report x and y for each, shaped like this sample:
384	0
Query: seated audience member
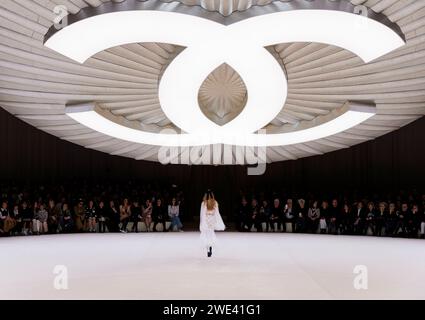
261	218
313	217
159	215
40	220
334	212
80	216
301	216
380	217
147	214
359	219
10	223
402	217
67	223
125	213
242	216
53	219
27	216
275	215
257	217
413	223
391	220
370	218
91	216
135	215
265	214
345	220
7	220
289	216
17	229
174	214
58	208
35	207
324	217
101	216
3	215
113	217
422	223
254	216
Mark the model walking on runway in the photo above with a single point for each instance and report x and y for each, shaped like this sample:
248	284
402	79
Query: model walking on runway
210	220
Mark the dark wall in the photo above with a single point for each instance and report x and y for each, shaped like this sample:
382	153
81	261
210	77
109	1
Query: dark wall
396	160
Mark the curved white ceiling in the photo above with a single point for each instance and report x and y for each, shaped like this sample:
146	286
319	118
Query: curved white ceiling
36	83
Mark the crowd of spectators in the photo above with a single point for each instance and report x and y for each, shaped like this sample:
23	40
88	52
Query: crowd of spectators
90	208
400	215
135	207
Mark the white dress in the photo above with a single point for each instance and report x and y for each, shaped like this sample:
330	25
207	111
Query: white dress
209	222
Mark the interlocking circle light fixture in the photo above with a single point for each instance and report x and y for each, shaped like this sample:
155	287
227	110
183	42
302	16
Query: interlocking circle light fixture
236	40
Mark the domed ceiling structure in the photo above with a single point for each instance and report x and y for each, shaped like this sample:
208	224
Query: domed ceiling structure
37	83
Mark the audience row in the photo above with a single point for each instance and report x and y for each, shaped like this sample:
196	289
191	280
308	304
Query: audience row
81	207
360	217
104	211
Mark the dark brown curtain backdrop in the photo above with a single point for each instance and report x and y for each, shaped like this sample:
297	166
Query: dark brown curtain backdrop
394	161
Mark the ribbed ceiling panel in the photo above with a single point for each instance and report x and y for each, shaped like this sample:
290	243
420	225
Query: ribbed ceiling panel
36	83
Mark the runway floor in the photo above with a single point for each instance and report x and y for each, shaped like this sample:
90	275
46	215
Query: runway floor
244	266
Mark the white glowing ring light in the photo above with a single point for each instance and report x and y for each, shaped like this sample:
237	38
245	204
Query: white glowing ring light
209	44
349	115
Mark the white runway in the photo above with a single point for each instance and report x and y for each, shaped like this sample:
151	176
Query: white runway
245	266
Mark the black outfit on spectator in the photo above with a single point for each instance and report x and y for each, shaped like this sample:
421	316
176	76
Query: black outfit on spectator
91	212
136	213
27	215
401	227
412	225
102	217
67	222
159	215
255	219
379	222
345	222
275	217
265	215
301	222
370	221
333	220
53	219
113	219
242	218
359	217
391	220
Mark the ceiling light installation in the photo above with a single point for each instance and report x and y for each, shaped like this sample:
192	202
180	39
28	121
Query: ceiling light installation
241	45
348	116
